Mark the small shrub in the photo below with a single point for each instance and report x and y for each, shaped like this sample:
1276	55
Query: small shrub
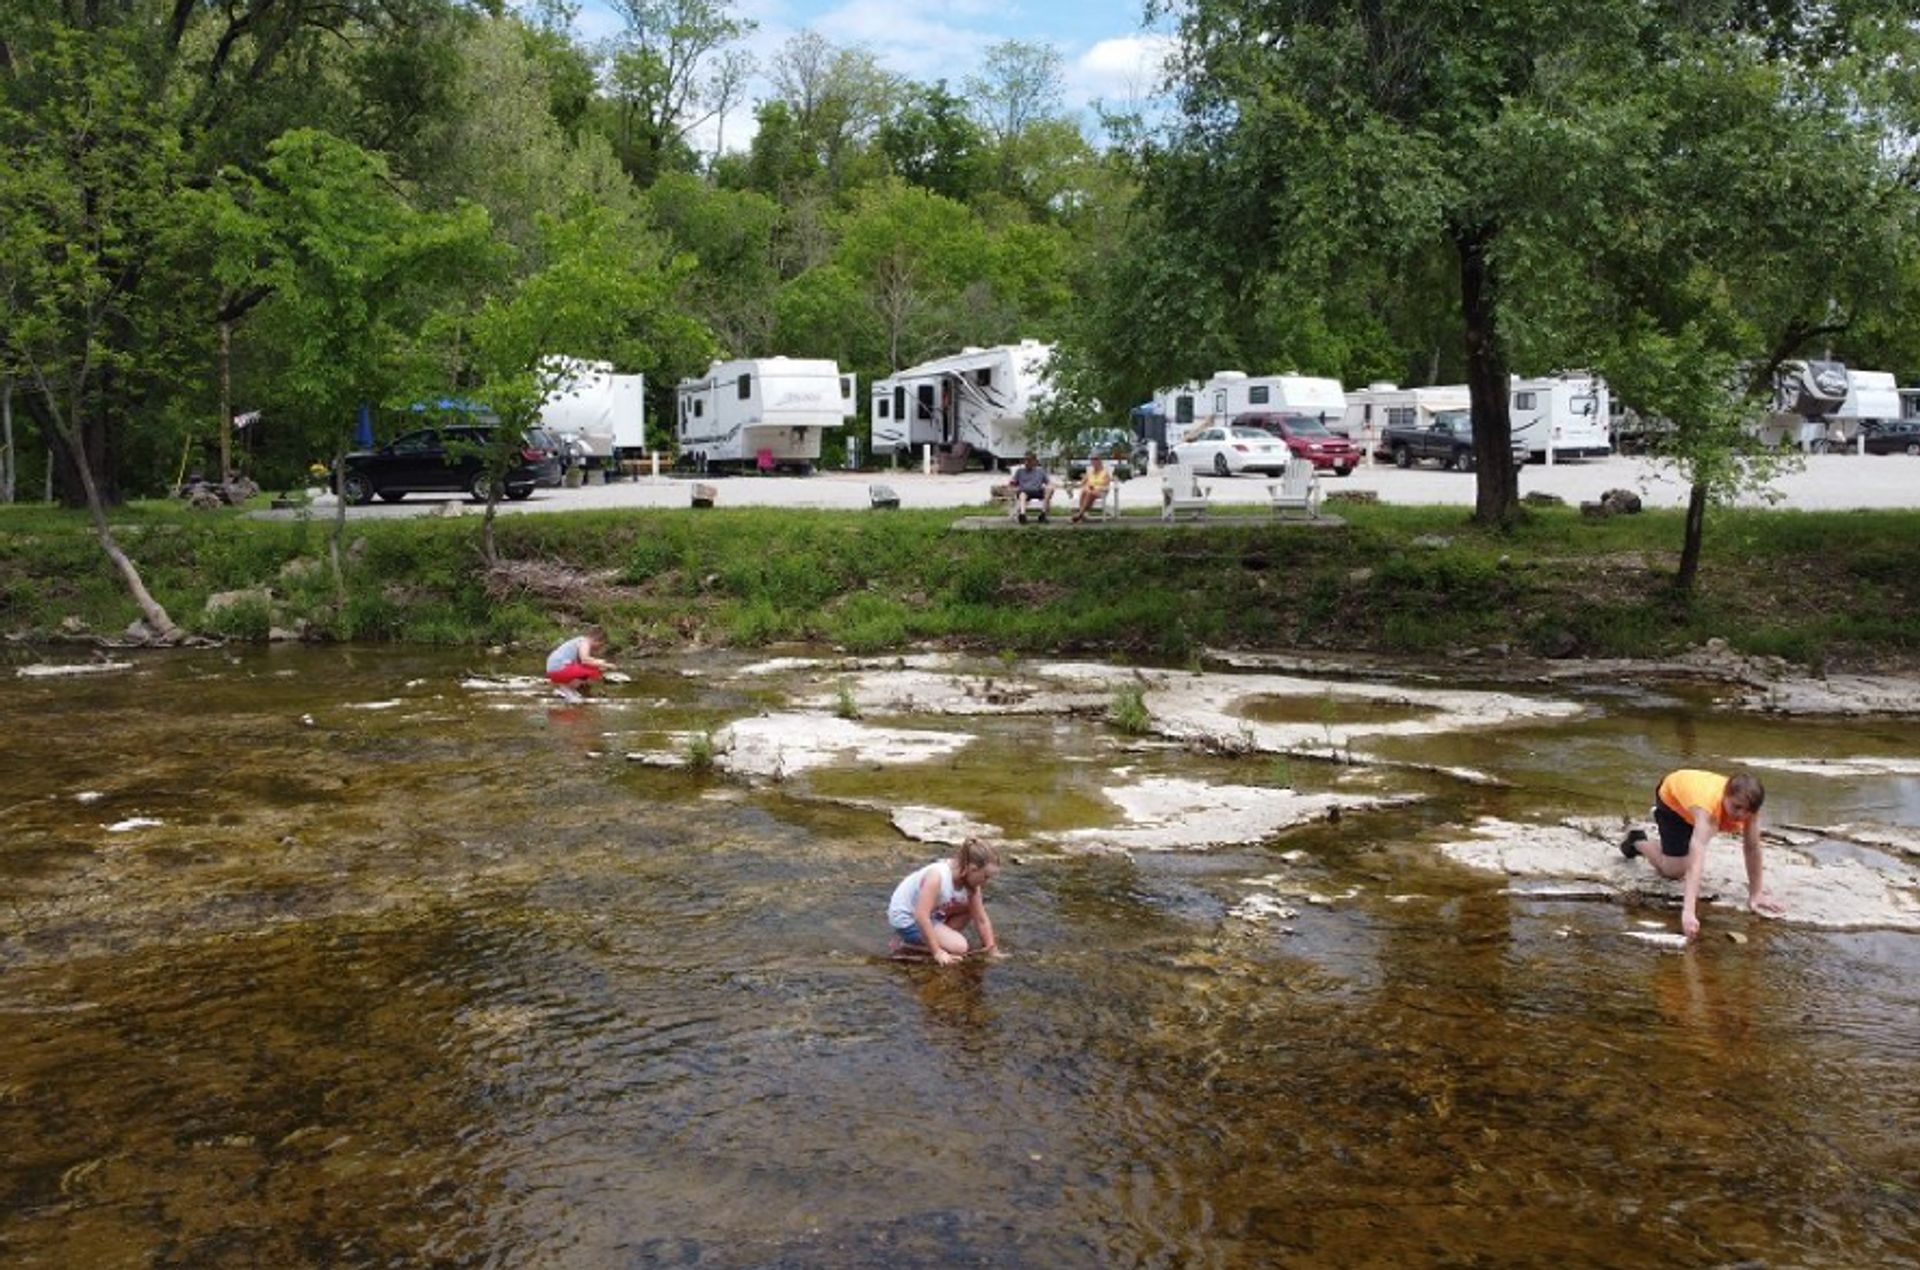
844	706
248	618
1128	712
700	752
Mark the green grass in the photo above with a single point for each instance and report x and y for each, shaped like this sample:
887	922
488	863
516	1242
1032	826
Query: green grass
1815	587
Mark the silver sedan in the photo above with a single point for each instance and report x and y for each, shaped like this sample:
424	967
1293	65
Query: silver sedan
1230	451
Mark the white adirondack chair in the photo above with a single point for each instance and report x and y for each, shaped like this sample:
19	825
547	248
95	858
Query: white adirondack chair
1297	489
1181	493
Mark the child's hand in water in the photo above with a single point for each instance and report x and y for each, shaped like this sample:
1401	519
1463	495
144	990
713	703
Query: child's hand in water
941	957
994	953
1765	905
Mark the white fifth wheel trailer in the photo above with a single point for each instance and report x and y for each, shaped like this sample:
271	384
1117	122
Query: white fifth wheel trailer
1372	409
1232	393
765	412
1568	412
978	396
598	414
1873	396
1806	396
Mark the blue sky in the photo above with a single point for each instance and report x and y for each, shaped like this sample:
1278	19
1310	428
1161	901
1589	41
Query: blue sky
1105	51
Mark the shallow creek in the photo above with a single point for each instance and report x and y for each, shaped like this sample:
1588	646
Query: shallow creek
359	956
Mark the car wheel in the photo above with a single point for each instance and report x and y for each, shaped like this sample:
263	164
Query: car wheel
1463	460
357	489
1401	456
1913	447
520	493
479	487
392	495
1342	471
1220	466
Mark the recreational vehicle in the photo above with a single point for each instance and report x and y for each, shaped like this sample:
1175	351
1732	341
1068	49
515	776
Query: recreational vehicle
974	402
1232	393
1806	397
764	412
1567	412
1371	409
1873	396
597	414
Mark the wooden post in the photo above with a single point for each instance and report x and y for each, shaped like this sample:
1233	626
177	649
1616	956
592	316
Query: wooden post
226	402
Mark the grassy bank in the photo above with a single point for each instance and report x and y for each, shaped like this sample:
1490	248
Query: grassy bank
1820	588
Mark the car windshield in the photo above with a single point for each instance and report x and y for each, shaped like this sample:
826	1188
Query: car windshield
1250	434
1305	426
541	439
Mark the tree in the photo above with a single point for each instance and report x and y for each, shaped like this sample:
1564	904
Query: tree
1371	130
661	81
1756	210
931	142
88	180
607	292
838	99
352	269
1019	87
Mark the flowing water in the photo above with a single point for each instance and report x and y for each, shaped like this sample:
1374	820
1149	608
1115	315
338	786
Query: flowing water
411	974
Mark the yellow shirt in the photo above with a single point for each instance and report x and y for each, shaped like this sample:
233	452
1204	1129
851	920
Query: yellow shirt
1689	788
1098	481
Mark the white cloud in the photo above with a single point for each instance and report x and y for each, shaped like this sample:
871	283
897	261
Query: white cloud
1123	71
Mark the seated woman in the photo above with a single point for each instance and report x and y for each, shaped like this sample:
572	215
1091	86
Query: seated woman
1093	487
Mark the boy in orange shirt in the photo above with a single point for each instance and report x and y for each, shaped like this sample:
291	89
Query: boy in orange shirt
1689	808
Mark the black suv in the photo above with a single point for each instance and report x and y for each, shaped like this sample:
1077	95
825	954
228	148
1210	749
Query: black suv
442	460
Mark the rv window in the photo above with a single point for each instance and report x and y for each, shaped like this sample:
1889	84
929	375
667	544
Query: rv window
1583	406
984	377
746	387
926	401
699	407
846	386
1400	417
900	401
1183	410
1257	396
881	407
1523	401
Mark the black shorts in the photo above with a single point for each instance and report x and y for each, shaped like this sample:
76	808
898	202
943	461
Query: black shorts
1676	835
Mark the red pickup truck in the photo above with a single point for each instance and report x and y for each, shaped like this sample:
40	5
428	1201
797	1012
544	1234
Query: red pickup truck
1307	438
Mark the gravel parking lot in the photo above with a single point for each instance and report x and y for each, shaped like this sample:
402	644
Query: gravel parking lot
1825	482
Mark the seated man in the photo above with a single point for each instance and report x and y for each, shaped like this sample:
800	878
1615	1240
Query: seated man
1030	484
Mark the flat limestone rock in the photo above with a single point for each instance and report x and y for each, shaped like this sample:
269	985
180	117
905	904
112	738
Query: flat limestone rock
1844	695
48	670
1893	838
1172	814
1851	767
777	745
1832	894
940	825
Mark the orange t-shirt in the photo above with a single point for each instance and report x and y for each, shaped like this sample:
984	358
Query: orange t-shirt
1689	788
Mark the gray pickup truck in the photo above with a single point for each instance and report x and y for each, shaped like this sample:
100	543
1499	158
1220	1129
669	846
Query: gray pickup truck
1449	442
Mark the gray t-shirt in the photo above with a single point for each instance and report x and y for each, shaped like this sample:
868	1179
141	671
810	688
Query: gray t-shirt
1030	480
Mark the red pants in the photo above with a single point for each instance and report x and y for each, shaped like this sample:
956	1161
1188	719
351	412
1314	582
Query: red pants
574	672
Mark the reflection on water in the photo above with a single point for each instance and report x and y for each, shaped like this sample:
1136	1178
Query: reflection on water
450	983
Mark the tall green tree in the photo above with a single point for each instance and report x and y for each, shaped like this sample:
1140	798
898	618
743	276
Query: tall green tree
1756	210
607	292
90	168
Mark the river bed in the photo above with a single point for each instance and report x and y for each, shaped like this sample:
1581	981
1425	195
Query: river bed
357	956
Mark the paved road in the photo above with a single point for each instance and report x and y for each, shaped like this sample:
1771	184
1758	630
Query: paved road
1826	482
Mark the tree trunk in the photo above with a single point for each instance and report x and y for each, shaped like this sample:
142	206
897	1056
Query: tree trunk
9	464
226	402
156	616
339	526
1497	483
1696	531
